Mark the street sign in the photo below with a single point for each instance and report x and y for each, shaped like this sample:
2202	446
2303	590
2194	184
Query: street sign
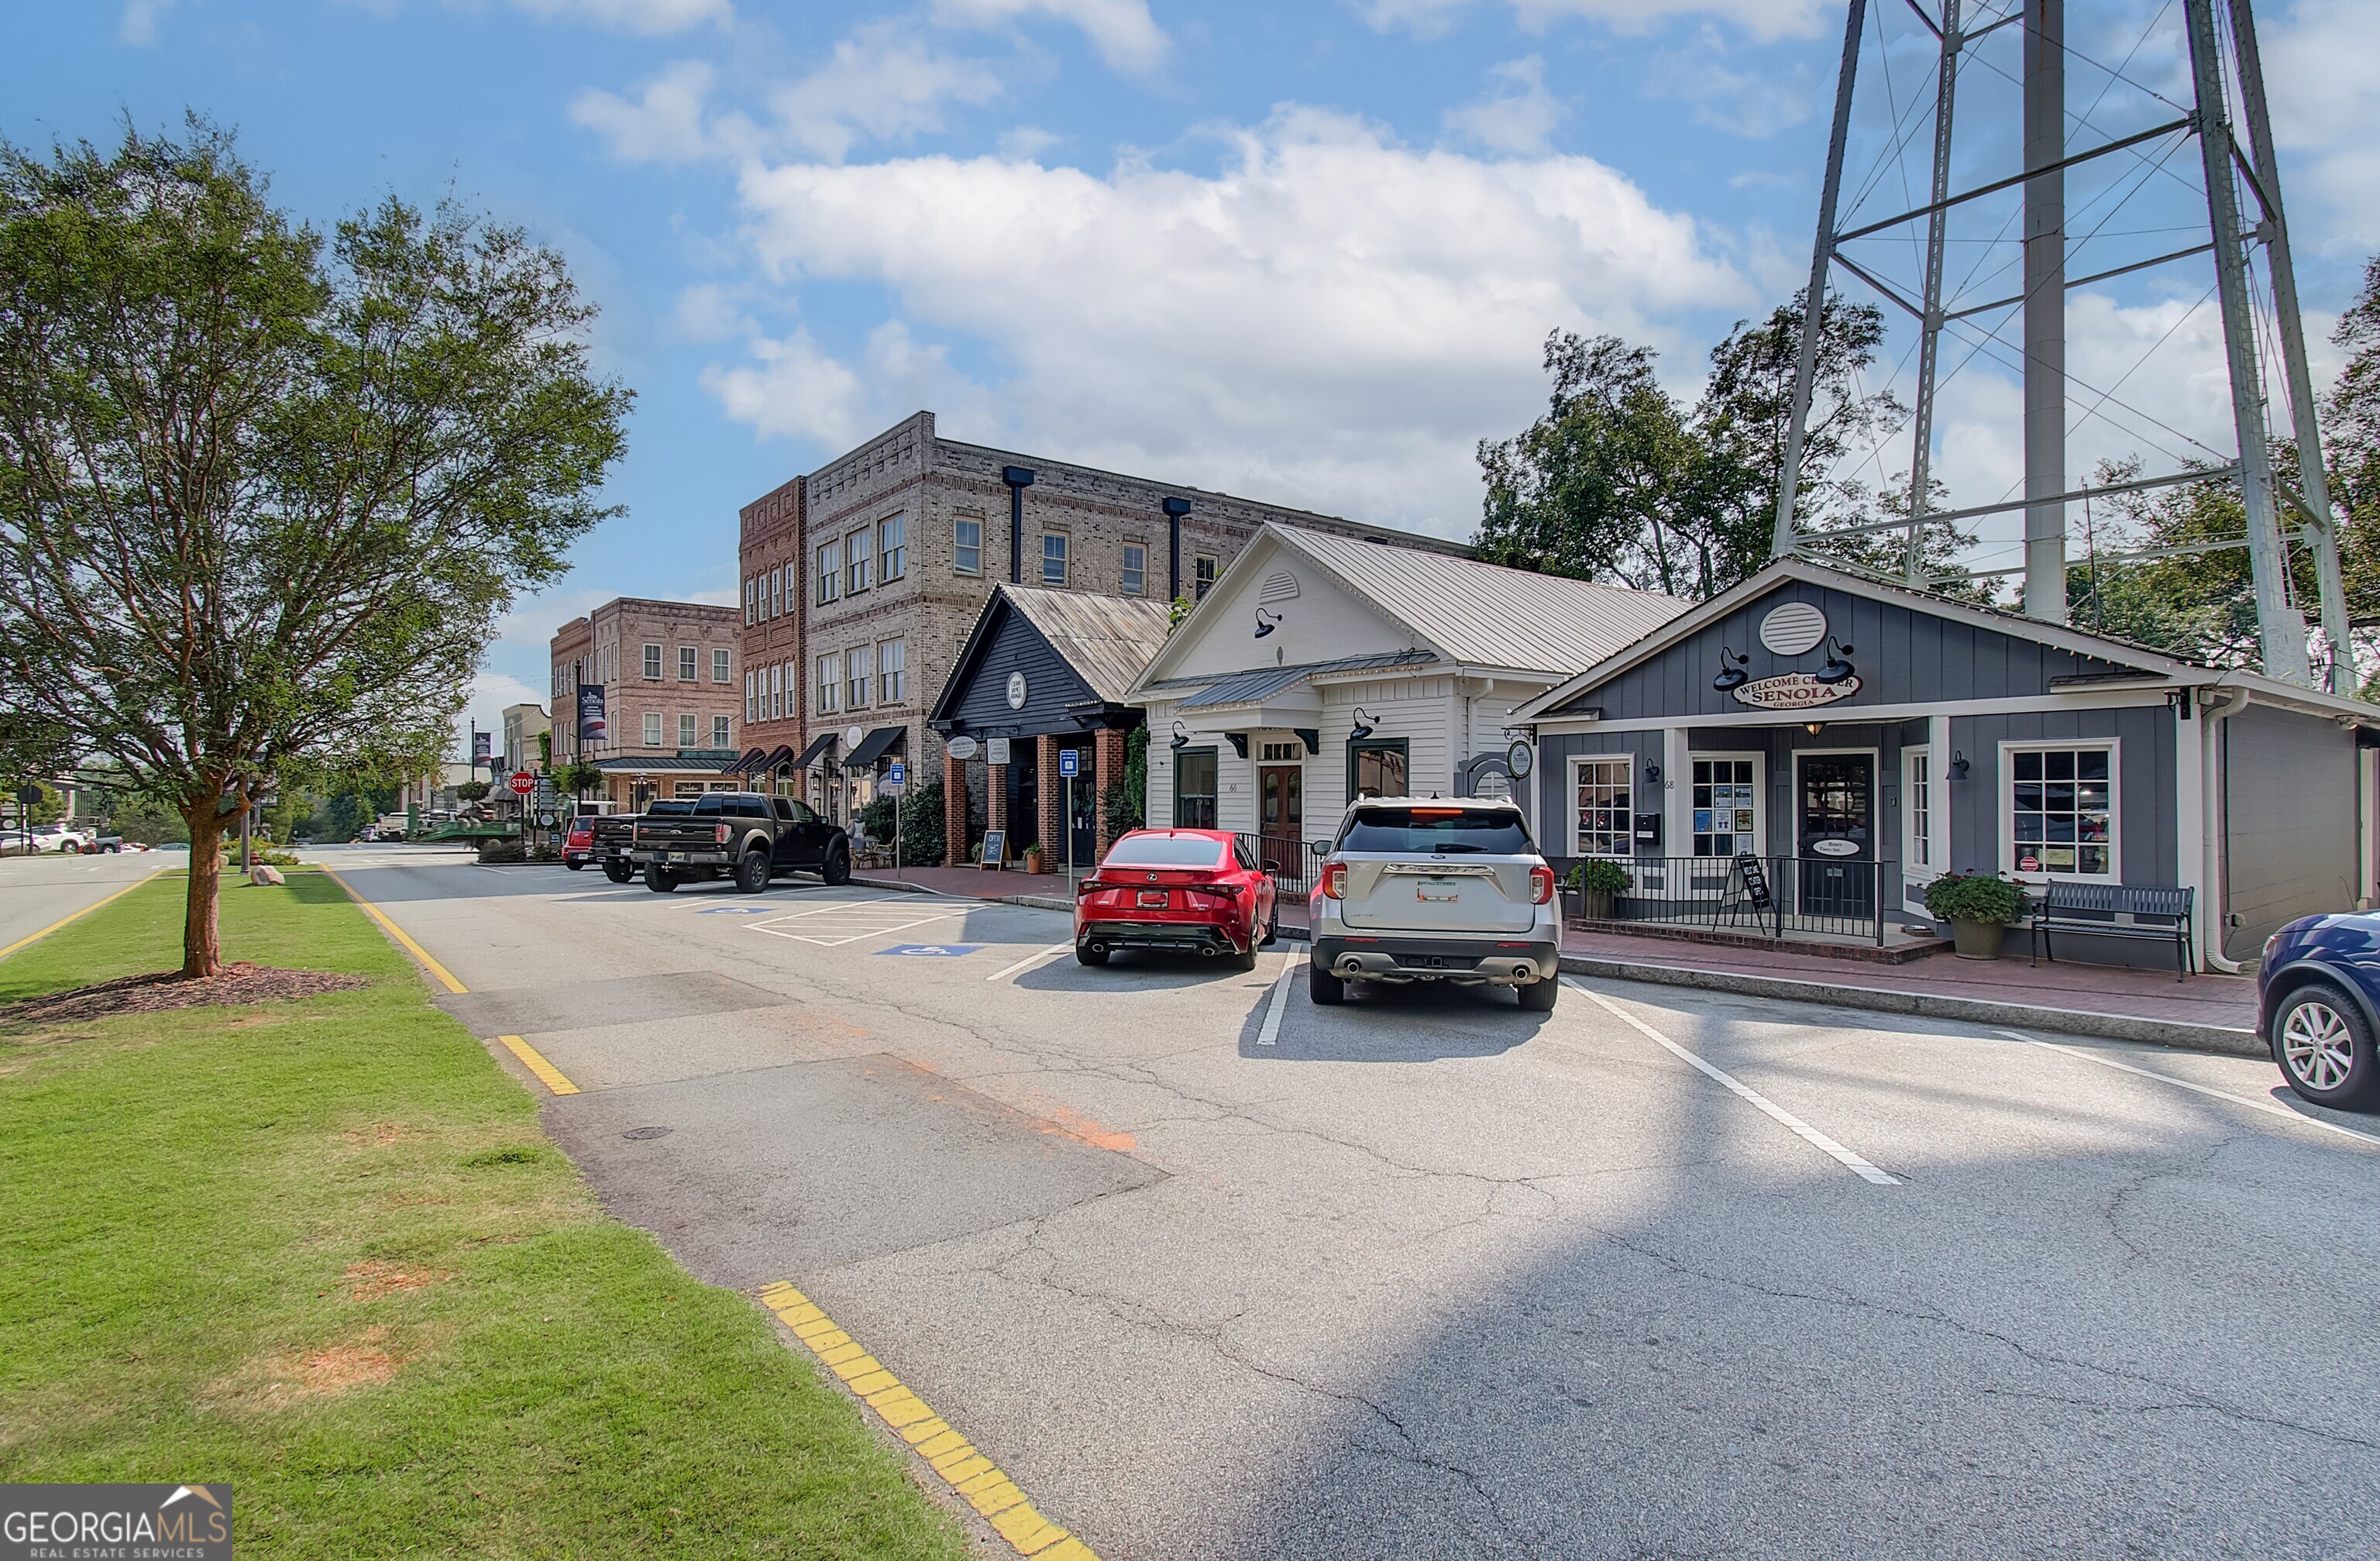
546	820
897	776
1070	761
522	783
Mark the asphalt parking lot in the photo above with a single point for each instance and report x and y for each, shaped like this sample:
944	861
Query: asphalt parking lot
1212	1272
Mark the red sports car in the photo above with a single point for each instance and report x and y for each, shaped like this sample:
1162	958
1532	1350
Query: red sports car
1182	889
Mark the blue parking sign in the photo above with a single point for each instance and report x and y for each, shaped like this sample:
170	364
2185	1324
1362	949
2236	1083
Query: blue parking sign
898	775
1070	762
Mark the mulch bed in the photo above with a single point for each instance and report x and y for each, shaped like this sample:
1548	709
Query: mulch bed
164	990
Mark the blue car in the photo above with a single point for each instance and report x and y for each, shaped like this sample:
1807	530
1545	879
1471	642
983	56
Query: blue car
2319	1007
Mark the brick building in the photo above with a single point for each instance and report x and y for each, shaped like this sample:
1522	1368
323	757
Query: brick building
669	674
863	579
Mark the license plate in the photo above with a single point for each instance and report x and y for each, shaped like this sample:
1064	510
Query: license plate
677	855
1156	897
1438	892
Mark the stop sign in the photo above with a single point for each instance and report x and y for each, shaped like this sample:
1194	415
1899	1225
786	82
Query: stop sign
522	783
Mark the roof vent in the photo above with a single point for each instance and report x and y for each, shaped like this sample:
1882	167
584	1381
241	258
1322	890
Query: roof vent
1279	586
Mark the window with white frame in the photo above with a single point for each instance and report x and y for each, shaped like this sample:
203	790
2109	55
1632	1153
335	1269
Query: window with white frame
830	573
773	700
2060	805
1135	569
966	545
687	660
859	560
857	664
654	662
1203	573
1916	809
652	729
748	699
893	549
722	730
772	592
1727	806
720	667
892	671
751	595
830	684
1056	547
792	684
1604	823
687	728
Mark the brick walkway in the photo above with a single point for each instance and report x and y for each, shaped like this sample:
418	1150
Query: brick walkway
2139	1000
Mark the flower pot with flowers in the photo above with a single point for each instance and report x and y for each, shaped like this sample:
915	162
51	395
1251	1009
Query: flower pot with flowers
1596	884
1977	905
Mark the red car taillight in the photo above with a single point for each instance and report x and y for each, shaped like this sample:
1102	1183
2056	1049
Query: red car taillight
1335	881
720	832
1541	885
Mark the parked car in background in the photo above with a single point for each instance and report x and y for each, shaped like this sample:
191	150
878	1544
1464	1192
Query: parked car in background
102	842
2319	1007
1414	889
1192	891
742	835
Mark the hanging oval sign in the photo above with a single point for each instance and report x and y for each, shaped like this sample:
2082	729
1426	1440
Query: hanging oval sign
1834	848
960	747
1794	691
1520	758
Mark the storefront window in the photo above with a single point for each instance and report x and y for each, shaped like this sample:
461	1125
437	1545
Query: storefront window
1193	789
2061	811
1916	808
1381	769
1725	801
1603	812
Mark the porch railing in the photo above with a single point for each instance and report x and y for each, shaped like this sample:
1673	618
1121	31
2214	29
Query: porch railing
1836	897
1293	865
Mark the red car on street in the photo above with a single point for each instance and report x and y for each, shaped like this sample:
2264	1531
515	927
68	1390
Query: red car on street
1187	891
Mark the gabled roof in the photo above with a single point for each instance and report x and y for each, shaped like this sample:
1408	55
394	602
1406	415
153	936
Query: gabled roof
2081	642
1108	639
1463	611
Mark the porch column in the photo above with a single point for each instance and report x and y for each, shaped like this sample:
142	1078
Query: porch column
1938	759
995	803
1107	770
954	810
1054	844
1677	793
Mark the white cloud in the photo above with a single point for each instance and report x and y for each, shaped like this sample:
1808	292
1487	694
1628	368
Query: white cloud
1332	320
1122	30
1517	115
882	82
664	125
1423	19
1025	143
1761	101
2324	98
634	16
138	24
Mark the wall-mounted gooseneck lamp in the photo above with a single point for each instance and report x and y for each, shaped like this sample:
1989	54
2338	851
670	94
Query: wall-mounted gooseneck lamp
1731	674
1364	724
1652	772
1958	766
1267	622
1181	738
1838	669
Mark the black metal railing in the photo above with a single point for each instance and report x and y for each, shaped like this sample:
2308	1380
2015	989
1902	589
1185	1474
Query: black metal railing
1294	867
1766	896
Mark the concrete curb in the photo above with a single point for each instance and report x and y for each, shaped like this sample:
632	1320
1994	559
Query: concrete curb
2178	1033
1037	901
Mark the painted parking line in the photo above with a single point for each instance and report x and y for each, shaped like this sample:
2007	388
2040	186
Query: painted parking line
534	1060
1044	957
1858	1165
848	921
444	976
2270	1108
32	938
1270	1033
986	1488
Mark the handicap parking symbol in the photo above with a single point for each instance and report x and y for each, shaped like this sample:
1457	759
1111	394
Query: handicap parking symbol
933	951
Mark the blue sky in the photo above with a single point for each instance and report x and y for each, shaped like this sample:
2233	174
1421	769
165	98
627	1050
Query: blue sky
1306	253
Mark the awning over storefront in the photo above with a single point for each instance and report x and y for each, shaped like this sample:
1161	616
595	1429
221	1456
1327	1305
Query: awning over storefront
780	756
875	746
821	746
751	762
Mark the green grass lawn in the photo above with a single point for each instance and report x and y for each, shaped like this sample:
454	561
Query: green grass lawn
322	1250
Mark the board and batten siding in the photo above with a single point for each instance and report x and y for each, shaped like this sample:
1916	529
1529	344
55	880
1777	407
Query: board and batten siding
1050	684
2292	834
2147	830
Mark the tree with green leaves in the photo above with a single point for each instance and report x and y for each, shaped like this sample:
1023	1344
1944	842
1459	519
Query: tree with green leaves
265	492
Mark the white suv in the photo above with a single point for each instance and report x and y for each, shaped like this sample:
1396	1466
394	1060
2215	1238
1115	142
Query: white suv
1416	890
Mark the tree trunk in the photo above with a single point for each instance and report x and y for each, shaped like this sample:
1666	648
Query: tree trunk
201	940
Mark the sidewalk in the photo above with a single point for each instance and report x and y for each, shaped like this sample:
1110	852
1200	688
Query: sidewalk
2204	1013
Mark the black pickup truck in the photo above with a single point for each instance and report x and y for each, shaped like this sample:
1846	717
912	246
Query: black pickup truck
605	839
743	835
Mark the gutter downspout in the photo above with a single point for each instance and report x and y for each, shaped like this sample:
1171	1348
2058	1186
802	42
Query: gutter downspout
1018	479
1174	510
2229	702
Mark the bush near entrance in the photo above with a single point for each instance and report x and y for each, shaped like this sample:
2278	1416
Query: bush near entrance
1974	897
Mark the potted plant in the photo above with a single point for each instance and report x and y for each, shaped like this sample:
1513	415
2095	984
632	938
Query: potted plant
1033	859
1596	884
1977	905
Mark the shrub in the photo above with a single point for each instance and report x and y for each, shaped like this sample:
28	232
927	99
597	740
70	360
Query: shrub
1601	876
1974	897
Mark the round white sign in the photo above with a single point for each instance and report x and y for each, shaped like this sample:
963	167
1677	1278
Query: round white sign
960	747
1793	628
1520	758
852	734
1017	691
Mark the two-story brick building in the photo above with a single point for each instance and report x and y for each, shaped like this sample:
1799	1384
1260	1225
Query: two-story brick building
862	580
661	677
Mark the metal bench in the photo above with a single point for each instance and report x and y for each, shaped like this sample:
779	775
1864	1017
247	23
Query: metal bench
2161	913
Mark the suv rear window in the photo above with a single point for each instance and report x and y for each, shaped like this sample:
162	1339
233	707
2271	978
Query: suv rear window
1167	851
1480	831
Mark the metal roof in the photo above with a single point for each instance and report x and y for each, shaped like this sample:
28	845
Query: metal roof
1249	688
1484	614
1107	639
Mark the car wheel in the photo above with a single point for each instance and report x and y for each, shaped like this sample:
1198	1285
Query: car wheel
1325	988
1243	961
660	880
619	872
576	866
1538	997
1272	928
1085	955
2324	1046
837	869
752	872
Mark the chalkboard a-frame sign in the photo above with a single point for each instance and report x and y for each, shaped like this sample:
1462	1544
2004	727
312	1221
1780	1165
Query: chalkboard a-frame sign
995	849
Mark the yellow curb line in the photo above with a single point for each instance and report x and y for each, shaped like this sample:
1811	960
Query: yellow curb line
78	915
547	1073
407	944
968	1471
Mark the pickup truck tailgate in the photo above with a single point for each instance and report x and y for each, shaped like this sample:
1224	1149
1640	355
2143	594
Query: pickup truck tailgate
1438	896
